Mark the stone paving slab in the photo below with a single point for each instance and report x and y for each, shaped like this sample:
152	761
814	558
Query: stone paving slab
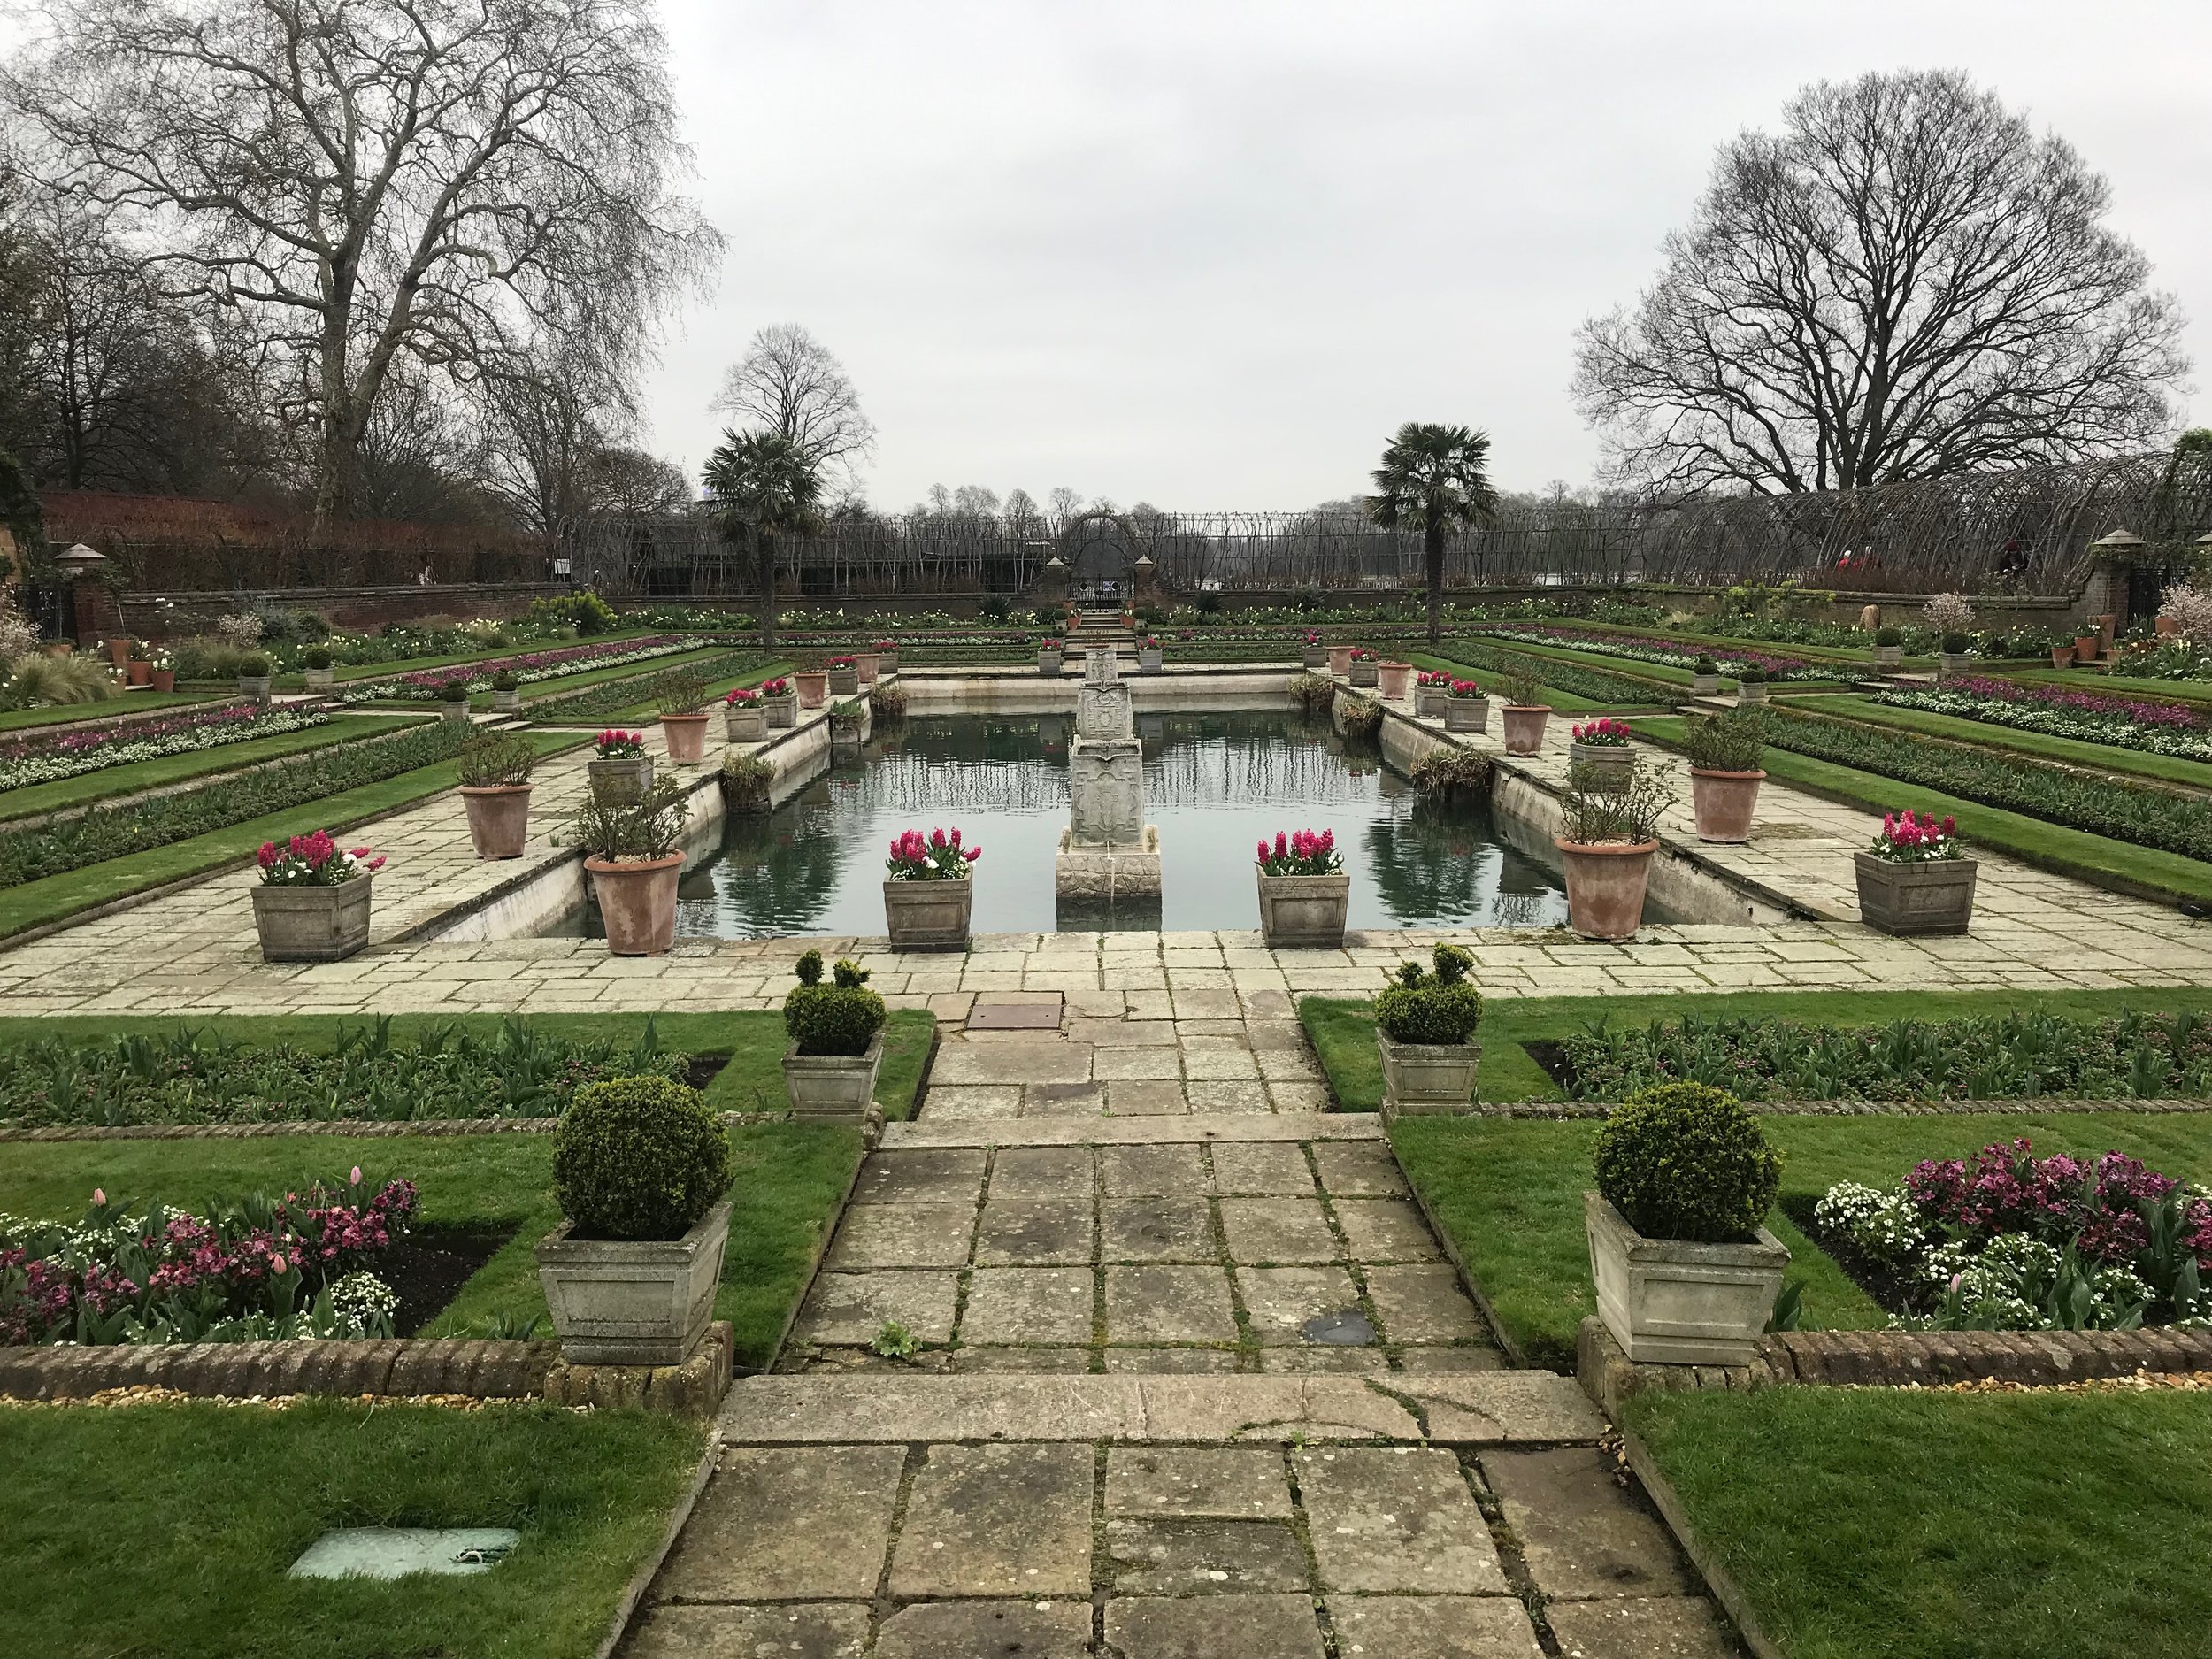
1075	1131
997	1520
1397	1519
1581	1537
787	1523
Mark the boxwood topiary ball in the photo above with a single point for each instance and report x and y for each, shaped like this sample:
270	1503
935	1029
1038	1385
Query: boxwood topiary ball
1686	1160
639	1157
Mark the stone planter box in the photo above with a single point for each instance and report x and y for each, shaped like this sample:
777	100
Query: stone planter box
844	682
1048	663
1888	655
1396	681
1150	662
686	736
318	679
508	701
1432	703
164	680
453	713
928	914
1313	657
633	1302
1722	803
832	1088
1669	1302
499	819
782	712
1365	672
1936	896
1955	662
1469	714
1340	661
1303	912
887	664
1611	764
1751	691
745	722
1426	1079
254	686
1704	685
813	687
637	901
620	782
303	924
1605	886
1524	729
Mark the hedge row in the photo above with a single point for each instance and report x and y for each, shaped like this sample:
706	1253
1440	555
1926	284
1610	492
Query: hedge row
611	696
99	834
2096	801
1599	685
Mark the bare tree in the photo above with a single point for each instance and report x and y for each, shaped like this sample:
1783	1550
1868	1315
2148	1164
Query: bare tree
371	179
791	384
1906	282
1061	507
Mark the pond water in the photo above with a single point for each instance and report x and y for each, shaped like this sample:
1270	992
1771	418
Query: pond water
1215	783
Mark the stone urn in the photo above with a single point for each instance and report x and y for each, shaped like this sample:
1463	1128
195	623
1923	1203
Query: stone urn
1396	680
622	782
1605	886
781	713
686	736
928	914
1722	802
1366	672
832	1087
637	901
1608	767
867	667
1313	657
1340	661
1433	702
844	682
745	722
1426	1079
1667	1302
312	924
633	1302
499	819
1304	912
1472	714
1934	896
813	687
1048	663
318	679
164	680
254	686
1525	727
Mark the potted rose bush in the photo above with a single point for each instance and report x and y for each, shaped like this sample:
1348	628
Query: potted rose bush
1723	751
836	1032
494	768
1686	1272
634	855
1525	711
1425	1029
312	903
1048	654
641	1174
1466	709
1602	746
1149	656
743	719
1606	840
779	703
1431	690
683	716
622	772
1304	892
929	890
1916	878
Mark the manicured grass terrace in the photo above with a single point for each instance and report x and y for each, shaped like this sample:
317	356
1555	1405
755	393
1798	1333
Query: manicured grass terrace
2071	751
129	702
1561	701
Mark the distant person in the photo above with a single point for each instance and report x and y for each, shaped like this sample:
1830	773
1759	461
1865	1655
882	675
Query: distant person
2012	561
423	581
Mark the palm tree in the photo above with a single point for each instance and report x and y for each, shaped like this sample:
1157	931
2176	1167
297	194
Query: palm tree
1436	477
763	486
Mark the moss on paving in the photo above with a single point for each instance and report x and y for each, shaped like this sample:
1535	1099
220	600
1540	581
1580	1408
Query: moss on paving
1974	1527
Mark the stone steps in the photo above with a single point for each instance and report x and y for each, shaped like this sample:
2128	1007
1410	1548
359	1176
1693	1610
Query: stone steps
1092	1129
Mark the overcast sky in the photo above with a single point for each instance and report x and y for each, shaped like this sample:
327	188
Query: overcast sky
1207	254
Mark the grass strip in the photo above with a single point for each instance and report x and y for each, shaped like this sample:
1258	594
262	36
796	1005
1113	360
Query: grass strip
2073	751
2126	685
753	676
129	703
1975	1526
1509	1193
1604	688
641	687
167	1529
163	770
1562	701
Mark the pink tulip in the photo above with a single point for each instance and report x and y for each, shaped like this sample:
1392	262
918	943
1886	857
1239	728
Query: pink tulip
99	1196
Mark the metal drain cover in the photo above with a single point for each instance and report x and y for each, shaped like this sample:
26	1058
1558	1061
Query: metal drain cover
1347	1327
393	1552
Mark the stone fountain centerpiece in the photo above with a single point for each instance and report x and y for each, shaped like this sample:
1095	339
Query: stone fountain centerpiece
1108	851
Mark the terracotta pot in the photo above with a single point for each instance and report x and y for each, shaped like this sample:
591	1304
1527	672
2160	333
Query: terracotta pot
1340	661
1396	681
2165	627
1722	802
2062	657
865	666
1605	885
1524	729
304	923
813	685
163	678
499	819
2086	646
119	653
782	712
141	672
745	722
687	737
638	904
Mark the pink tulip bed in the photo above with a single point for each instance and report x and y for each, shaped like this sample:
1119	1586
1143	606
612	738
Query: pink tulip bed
41	757
2092	717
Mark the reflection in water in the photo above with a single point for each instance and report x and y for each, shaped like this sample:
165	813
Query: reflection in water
1214	784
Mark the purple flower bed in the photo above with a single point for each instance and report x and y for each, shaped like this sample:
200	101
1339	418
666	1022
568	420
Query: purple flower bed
88	740
2134	710
2097	1204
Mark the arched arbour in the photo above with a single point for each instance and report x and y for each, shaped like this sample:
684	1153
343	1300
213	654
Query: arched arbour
1100	550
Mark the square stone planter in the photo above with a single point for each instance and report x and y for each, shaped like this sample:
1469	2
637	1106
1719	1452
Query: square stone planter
1303	912
1048	663
1704	685
1610	766
316	679
507	702
1955	662
304	923
1933	897
1888	655
620	782
254	686
453	713
1432	703
1313	657
1426	1079
633	1302
844	682
1150	662
745	722
1466	714
1667	1302
1365	672
782	712
928	914
1751	691
832	1087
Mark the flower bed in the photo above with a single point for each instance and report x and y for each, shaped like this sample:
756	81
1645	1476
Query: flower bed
527	668
597	703
1577	679
2006	1240
250	1270
1672	653
2090	717
1977	1057
47	757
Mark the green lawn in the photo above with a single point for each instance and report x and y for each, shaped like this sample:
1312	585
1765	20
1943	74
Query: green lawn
166	1530
135	775
419	665
130	702
2097	859
2070	750
1561	701
638	712
1971	1526
2116	685
1509	1193
53	897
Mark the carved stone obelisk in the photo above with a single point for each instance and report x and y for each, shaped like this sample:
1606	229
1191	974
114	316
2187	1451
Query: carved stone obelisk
1107	850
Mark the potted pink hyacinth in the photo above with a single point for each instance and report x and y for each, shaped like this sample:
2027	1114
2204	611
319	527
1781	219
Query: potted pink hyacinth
1465	707
1313	653
1149	656
779	702
1431	690
844	676
312	903
929	890
886	658
620	771
1049	653
1364	668
1916	878
1600	746
743	719
1304	892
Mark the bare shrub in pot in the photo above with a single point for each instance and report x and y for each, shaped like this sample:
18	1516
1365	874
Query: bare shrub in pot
494	769
1609	832
1723	752
683	714
1525	711
632	852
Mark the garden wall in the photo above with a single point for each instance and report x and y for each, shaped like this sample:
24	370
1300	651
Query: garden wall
150	616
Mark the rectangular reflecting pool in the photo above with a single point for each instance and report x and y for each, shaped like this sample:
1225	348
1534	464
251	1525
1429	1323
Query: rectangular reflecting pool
1215	783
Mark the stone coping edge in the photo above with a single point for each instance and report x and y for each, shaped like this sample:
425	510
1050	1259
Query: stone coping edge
480	1369
375	1128
2015	1106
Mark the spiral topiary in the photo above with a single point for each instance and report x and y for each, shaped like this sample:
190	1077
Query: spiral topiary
639	1157
1686	1160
